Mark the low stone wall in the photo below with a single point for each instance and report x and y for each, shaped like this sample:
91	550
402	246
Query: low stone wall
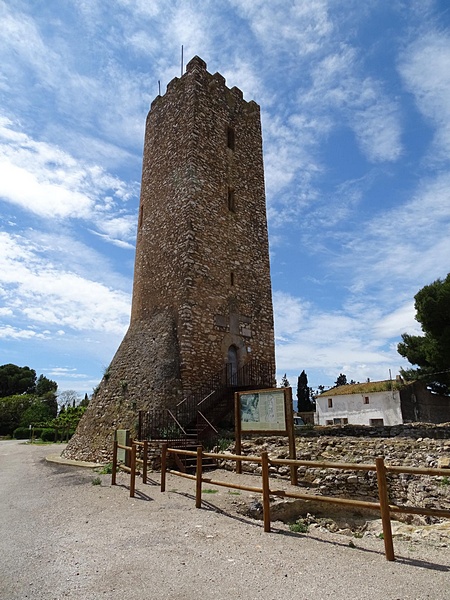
410	430
413	490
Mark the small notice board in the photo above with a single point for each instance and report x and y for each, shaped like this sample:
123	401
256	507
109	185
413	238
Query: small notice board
267	411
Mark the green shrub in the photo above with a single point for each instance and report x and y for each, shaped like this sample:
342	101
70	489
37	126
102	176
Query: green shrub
48	435
22	433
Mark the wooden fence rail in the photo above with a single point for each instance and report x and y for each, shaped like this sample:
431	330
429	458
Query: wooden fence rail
379	467
133	460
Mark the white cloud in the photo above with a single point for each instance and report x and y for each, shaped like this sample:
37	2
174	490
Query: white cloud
397	322
8	332
21	42
352	340
38	292
411	242
44	198
425	68
44	180
337	84
299	26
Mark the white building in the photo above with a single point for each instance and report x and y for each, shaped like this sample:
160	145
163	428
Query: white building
374	403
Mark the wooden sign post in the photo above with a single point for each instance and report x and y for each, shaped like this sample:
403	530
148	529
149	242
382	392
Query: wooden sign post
266	412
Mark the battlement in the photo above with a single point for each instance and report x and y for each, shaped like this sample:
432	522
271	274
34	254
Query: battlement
197	68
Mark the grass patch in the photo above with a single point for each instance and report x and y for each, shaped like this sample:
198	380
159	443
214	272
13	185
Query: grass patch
106	469
96	481
209	491
234	493
299	527
224	443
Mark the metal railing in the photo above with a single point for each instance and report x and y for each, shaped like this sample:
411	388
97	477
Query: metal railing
214	400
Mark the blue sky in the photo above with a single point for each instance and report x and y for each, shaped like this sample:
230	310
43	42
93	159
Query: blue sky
355	101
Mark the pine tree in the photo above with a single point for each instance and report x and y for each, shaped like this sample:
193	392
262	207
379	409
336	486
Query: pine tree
341	380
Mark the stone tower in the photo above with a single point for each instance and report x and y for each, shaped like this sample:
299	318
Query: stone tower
202	292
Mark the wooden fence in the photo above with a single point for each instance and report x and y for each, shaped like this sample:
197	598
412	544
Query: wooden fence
379	467
131	462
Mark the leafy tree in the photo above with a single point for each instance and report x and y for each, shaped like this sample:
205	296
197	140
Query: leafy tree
23	400
45	385
37	412
303	393
69	418
341	380
16	380
68	398
430	351
11	410
51	403
85	400
285	381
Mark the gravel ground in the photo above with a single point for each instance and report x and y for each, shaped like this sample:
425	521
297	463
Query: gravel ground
62	537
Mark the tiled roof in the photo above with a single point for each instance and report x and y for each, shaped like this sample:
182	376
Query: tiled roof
363	388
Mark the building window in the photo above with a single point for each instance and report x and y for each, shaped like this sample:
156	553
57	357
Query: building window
230	138
330	402
329	422
376	422
366	399
231	201
141	216
231	278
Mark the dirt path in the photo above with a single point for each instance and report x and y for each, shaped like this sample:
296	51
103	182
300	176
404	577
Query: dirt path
62	537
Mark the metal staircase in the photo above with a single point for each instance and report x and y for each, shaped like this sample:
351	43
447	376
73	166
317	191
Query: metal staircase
197	418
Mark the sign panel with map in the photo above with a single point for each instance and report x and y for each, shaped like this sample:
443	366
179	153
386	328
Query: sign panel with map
263	411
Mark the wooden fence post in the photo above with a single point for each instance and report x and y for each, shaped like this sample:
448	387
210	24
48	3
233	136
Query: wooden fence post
133	470
163	466
384	509
198	481
266	490
114	463
144	460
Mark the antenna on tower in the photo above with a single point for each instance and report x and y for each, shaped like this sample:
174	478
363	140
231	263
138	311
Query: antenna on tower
181	60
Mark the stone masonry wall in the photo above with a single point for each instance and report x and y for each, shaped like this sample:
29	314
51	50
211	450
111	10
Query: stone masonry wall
202	275
426	491
205	263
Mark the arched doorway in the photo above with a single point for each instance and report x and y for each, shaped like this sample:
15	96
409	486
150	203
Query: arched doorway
232	365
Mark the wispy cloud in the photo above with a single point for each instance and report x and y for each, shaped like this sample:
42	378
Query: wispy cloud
425	68
44	180
36	291
327	343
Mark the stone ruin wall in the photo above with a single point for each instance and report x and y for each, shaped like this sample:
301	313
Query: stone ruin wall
412	446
